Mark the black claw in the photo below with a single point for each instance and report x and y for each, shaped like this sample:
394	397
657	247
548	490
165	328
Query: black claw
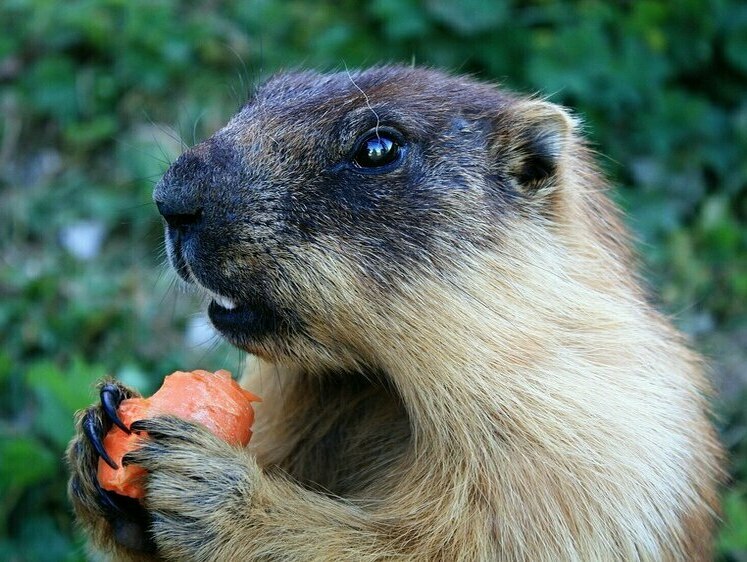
151	427
111	396
107	502
129	520
127	459
139	425
169	428
92	428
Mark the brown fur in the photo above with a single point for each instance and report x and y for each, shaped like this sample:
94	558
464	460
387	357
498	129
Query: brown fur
466	368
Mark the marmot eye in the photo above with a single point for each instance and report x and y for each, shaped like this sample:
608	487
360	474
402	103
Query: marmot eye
377	150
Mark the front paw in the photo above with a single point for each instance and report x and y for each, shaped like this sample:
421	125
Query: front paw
195	480
111	519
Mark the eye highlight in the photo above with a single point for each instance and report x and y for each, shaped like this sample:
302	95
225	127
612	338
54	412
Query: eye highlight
378	151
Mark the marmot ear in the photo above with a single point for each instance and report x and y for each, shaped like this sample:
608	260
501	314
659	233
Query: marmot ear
542	134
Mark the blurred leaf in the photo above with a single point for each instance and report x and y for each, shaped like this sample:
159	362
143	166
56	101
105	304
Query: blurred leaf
5	367
91	132
24	462
469	16
403	19
736	40
41	539
733	535
50	87
60	394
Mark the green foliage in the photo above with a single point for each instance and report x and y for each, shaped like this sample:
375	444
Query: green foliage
91	93
733	536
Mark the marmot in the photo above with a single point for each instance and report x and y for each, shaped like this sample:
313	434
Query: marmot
456	357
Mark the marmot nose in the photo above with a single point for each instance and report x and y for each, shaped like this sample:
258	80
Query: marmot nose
178	215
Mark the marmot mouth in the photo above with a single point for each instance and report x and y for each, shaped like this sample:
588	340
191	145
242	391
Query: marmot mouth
243	322
231	319
246	323
240	324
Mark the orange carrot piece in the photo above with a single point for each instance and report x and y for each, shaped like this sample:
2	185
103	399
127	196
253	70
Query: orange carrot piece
214	400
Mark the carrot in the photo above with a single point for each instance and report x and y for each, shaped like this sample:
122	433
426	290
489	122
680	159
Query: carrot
213	399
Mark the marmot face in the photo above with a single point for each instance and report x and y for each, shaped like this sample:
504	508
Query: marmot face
325	191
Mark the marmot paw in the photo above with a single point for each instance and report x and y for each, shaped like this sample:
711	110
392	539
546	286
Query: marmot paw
128	521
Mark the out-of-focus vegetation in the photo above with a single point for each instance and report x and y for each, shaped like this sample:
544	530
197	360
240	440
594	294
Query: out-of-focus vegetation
91	90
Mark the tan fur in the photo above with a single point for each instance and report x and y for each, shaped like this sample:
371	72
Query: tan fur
528	404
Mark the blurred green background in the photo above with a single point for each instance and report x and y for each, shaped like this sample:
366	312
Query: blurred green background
98	96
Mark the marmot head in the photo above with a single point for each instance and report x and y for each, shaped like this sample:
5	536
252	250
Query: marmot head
317	205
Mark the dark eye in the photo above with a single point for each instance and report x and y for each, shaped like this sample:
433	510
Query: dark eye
377	150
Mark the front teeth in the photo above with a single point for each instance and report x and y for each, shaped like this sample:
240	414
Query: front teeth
225	302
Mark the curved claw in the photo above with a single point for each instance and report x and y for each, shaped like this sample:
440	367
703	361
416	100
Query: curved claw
128	519
92	428
139	425
111	396
106	501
